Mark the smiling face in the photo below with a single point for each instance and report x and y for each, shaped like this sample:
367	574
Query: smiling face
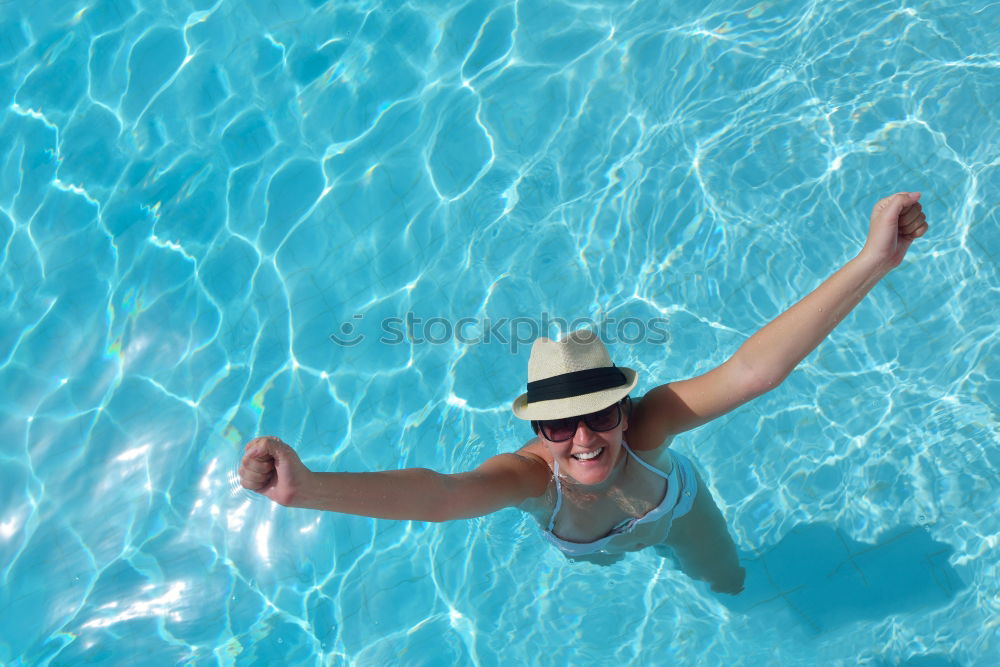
589	456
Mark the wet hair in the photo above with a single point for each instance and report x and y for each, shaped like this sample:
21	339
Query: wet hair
628	413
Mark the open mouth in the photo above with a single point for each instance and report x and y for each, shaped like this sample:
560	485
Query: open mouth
588	457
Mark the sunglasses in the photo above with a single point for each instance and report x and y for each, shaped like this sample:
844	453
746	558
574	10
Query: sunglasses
561	430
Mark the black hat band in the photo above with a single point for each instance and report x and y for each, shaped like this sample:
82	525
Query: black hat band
577	383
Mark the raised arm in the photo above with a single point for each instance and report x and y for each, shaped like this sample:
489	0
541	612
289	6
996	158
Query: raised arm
272	468
767	357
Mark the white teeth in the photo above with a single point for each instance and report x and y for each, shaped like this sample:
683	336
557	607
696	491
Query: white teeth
587	457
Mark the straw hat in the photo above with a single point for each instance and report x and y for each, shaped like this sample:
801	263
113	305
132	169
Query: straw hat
572	376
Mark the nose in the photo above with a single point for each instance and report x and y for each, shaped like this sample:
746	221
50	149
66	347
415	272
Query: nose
583	433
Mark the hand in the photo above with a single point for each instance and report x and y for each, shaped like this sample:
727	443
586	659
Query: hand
896	221
272	468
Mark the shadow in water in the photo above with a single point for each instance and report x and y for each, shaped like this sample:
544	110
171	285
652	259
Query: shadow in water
827	580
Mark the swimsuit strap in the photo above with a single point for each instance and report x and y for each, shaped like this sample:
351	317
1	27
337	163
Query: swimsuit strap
552	519
639	459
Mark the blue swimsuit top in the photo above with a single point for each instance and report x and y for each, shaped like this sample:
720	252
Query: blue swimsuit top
679	480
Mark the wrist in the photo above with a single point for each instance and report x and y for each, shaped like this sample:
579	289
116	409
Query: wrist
301	492
876	266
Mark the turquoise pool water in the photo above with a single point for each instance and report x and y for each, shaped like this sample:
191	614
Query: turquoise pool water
195	196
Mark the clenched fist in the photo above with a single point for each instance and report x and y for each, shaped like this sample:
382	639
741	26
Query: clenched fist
896	221
273	469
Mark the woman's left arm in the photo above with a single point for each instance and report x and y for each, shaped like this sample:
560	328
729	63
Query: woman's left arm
774	351
767	357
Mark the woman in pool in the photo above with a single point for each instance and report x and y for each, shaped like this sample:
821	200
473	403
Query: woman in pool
599	475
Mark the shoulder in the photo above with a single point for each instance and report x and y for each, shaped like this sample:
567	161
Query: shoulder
523	465
642	435
535	453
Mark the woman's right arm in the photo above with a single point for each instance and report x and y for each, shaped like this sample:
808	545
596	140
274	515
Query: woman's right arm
272	468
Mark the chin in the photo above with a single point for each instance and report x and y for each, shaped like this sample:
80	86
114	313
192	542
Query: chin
597	470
